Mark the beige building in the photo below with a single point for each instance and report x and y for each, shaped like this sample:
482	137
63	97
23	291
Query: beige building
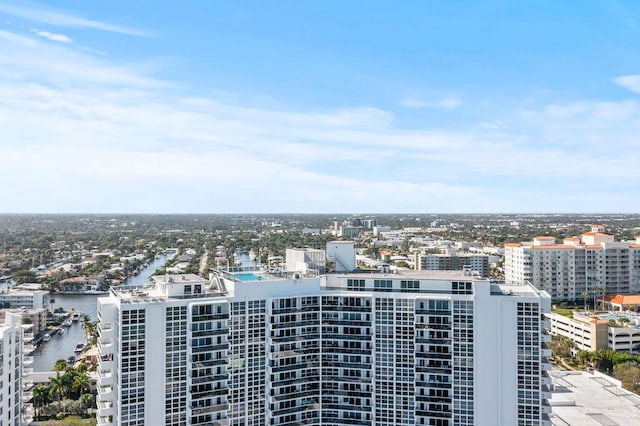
36	317
593	263
590	332
587	333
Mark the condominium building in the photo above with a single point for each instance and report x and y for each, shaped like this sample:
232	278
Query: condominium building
253	348
32	299
11	341
453	262
579	268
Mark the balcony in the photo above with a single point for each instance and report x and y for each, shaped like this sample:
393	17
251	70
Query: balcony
27	360
27	396
27	370
106	333
105	347
105	378
105	408
105	420
195	411
28	348
210	348
27	384
106	365
105	393
27	337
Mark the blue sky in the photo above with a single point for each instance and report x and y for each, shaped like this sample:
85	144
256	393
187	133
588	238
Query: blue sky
222	107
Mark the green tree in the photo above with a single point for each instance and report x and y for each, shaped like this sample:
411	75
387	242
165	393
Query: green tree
80	383
584	357
60	365
603	359
41	397
90	329
88	400
629	374
585	296
58	389
561	346
24	276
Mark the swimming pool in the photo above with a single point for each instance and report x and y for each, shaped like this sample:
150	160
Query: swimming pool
247	277
618	317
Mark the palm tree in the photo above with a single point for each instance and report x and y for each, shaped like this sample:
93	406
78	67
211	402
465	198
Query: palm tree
80	383
584	297
41	397
595	292
90	329
58	389
60	365
584	357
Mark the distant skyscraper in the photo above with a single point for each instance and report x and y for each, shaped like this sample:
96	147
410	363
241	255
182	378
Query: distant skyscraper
251	348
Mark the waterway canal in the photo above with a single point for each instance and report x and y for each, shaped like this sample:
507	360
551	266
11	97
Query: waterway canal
62	346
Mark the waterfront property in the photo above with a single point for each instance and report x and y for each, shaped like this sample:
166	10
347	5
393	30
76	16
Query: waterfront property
24	299
349	348
12	338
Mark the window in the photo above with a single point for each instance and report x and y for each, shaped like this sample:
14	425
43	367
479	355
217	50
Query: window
382	284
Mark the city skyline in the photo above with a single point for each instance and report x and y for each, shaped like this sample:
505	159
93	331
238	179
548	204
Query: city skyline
279	107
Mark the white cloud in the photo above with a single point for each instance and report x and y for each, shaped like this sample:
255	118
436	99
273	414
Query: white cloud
630	82
493	125
63	19
15	38
450	102
53	36
111	137
414	101
566	110
30	59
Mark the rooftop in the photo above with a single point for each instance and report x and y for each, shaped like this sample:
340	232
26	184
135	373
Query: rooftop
412	274
582	398
178	286
621	299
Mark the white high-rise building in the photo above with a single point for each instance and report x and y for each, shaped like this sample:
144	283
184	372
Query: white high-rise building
577	268
251	348
11	360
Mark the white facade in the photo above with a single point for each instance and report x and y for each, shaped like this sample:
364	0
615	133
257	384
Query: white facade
453	262
592	264
305	260
341	349
343	254
23	298
11	341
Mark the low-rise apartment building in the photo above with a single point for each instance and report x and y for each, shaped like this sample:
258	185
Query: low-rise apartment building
604	330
